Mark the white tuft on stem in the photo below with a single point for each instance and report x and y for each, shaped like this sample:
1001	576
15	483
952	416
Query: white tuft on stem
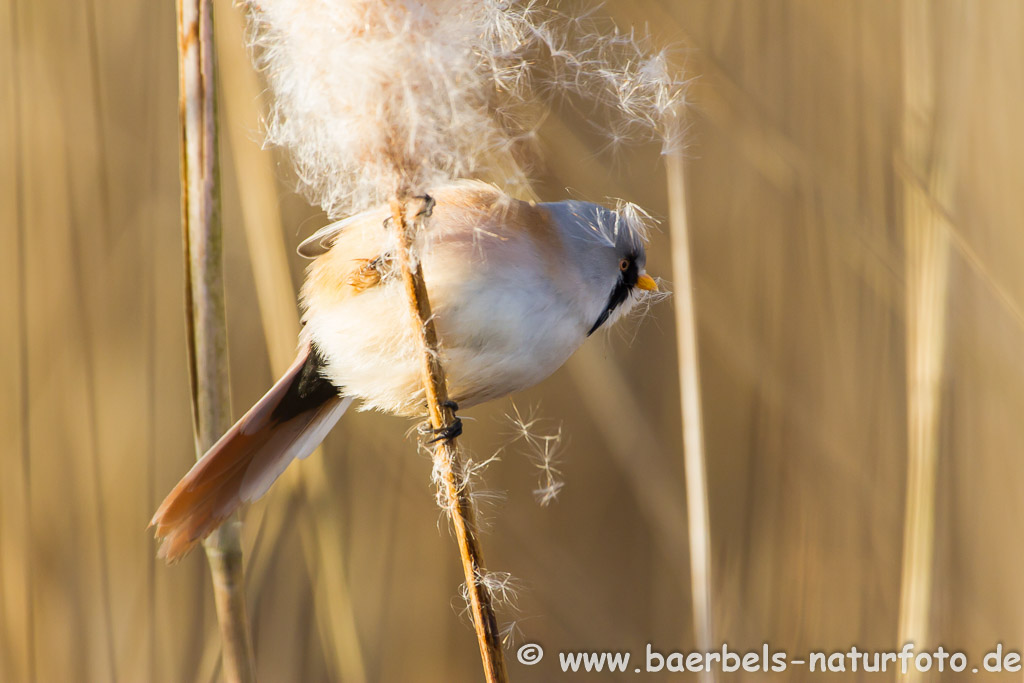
374	97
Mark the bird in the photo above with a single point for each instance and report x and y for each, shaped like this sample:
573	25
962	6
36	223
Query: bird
515	287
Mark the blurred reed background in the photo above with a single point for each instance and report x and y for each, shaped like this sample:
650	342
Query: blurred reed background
854	186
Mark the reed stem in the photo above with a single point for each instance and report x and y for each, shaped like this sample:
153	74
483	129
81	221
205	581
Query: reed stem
454	489
205	310
28	626
927	169
693	425
261	217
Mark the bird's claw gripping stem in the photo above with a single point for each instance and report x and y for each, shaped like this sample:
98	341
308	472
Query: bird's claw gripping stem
451	431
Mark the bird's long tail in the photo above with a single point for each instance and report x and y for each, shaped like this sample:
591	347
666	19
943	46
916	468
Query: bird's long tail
289	422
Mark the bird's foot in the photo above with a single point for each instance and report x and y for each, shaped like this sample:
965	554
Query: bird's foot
450	432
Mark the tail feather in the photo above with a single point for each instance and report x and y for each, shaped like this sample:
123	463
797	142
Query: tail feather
289	422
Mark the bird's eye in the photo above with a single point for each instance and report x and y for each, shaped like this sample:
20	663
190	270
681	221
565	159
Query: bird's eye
624	265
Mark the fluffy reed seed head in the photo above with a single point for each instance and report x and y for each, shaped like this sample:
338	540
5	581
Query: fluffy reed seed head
378	97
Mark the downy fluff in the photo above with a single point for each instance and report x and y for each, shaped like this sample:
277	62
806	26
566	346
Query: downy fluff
378	97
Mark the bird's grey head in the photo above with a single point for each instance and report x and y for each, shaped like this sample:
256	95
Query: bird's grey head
607	248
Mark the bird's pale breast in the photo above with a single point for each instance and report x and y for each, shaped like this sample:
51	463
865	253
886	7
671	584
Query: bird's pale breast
503	306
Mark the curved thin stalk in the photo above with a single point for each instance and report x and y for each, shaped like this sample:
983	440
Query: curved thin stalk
454	490
24	388
693	426
261	217
205	310
932	111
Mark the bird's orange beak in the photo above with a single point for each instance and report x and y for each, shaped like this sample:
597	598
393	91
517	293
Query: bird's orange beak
647	283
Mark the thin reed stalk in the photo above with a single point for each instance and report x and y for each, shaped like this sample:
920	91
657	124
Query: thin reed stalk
91	410
454	488
205	310
150	256
689	392
254	167
88	365
24	388
99	106
261	218
151	460
630	436
927	170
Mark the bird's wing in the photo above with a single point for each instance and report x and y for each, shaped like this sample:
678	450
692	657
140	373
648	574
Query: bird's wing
459	193
320	242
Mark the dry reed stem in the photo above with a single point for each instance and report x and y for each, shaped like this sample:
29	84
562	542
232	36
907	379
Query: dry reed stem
82	308
28	627
254	168
630	436
205	310
693	426
720	101
91	410
320	534
325	558
928	156
926	263
455	491
151	251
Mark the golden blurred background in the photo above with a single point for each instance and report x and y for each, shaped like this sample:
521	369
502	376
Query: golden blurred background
854	179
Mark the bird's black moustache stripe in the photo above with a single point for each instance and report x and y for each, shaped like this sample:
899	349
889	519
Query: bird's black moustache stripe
627	280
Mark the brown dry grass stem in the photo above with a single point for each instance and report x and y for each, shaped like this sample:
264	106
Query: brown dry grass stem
454	489
320	531
28	626
927	183
693	426
205	310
